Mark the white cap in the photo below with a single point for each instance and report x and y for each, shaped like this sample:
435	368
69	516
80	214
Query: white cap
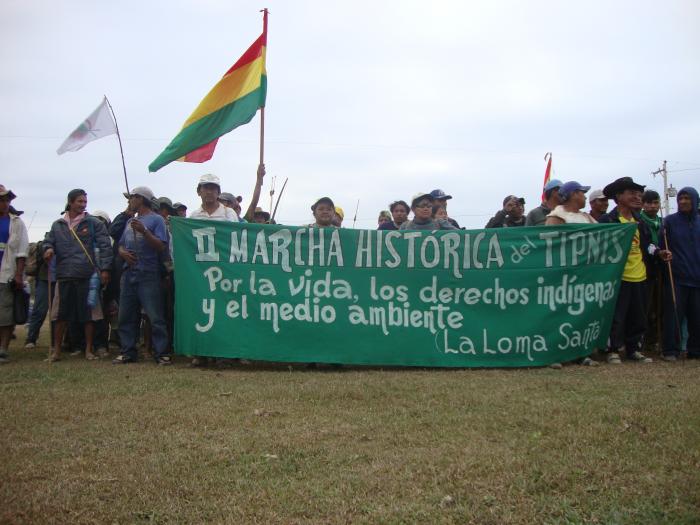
596	194
101	214
209	178
143	191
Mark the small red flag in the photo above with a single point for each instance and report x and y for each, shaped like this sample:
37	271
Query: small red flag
547	172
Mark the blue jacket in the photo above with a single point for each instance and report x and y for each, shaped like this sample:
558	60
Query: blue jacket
682	231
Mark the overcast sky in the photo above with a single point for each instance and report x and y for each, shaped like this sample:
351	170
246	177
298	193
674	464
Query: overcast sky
366	100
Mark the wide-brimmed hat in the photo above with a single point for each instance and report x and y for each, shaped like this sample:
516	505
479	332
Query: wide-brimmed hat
259	211
327	200
4	191
620	185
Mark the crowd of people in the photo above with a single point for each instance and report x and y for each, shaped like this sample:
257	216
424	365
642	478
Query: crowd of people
102	281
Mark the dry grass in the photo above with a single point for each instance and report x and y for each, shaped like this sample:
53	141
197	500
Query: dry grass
87	442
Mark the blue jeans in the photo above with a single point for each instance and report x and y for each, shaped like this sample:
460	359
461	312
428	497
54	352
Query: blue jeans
39	310
141	290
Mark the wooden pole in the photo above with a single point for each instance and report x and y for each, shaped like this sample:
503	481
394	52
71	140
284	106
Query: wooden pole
262	109
679	335
279	197
355	217
121	149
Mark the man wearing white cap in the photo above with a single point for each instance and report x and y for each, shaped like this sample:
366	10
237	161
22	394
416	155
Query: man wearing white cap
209	190
14	245
599	204
144	239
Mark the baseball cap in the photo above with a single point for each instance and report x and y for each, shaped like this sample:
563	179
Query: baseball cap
595	195
4	191
143	191
440	195
570	187
553	183
209	178
420	195
227	197
327	200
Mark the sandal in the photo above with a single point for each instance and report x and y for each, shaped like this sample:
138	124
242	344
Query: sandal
90	356
53	357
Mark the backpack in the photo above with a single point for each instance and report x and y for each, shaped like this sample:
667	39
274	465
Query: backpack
34	259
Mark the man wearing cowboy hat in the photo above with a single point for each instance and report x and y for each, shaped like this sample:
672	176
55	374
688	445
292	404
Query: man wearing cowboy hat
630	316
14	245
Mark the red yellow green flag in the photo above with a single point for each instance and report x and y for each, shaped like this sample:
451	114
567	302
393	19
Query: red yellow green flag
232	102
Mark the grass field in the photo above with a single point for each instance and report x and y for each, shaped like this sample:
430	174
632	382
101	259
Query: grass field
88	442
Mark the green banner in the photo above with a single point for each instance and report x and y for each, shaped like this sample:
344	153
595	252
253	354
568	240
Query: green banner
507	297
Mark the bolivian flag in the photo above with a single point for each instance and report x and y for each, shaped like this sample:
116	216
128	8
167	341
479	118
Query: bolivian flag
232	102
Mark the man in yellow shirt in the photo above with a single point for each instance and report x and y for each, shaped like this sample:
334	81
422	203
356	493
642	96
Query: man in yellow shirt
630	316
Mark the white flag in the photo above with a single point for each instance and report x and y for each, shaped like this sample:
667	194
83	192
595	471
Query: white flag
99	124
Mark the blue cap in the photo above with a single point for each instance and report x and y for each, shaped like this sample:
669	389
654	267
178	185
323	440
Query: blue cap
553	183
440	195
568	188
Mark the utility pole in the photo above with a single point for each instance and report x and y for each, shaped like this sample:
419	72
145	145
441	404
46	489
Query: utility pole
668	191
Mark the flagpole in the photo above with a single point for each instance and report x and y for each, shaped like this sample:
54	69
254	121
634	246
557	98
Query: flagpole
262	109
121	149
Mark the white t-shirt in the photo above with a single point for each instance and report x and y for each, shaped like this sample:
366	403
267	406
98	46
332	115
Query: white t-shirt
222	213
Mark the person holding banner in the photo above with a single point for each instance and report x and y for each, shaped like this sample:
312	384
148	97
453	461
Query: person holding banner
209	190
573	199
144	239
630	316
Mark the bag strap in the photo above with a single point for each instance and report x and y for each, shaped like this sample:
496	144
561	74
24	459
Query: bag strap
83	247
